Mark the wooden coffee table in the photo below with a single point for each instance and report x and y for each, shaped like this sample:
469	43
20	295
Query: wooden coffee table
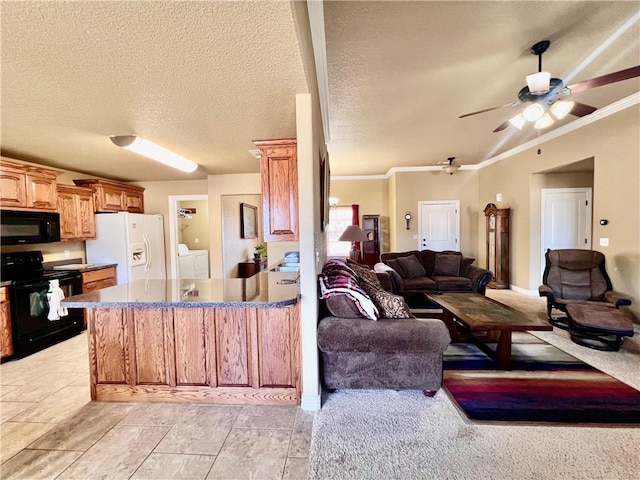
484	320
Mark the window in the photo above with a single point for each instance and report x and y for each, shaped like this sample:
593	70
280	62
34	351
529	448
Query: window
339	220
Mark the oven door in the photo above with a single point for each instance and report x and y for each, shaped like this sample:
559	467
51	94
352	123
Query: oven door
32	330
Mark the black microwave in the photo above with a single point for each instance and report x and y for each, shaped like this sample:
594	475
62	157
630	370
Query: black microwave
19	227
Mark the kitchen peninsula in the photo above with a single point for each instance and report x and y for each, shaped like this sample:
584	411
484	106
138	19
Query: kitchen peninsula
234	340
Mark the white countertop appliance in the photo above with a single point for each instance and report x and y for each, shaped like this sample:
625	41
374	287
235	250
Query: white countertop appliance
132	240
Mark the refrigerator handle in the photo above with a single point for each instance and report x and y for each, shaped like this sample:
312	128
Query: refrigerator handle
147	246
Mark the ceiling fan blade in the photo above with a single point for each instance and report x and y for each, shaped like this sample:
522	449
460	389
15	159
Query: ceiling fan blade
605	79
502	127
580	109
512	104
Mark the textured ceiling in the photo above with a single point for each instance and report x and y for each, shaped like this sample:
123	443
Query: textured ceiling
200	78
205	78
401	73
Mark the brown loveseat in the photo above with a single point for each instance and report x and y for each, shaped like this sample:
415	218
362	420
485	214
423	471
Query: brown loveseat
414	273
401	353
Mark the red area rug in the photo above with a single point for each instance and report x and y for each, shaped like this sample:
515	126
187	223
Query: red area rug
544	385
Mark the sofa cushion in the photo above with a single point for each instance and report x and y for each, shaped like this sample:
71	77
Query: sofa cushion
343	306
411	266
364	272
465	263
393	263
447	265
420	283
452	283
389	305
401	336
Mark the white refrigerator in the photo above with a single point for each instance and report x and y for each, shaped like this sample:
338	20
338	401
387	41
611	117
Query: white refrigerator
132	240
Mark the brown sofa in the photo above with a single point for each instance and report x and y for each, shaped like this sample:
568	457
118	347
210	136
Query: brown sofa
394	353
415	272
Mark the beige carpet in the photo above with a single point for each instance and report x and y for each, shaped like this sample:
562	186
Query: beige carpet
384	434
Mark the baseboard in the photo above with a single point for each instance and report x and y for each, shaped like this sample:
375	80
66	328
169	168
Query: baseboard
310	403
530	293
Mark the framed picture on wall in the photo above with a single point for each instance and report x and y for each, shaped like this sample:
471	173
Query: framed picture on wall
325	175
248	221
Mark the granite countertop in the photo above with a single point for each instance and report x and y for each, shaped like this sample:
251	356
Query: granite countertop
76	264
264	290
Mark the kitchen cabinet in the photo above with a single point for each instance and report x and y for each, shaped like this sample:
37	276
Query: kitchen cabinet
6	337
279	177
97	279
195	355
75	206
194	264
110	196
27	187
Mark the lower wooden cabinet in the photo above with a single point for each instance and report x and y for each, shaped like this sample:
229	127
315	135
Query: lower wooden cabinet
206	355
97	279
6	338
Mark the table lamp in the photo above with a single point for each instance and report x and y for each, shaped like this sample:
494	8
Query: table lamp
353	234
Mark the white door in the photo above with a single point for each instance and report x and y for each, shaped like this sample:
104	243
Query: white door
439	225
566	219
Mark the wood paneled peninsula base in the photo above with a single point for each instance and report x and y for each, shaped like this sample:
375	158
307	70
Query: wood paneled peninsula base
197	341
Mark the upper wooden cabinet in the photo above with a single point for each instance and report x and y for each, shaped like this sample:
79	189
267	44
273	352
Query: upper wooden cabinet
109	196
27	187
76	209
279	169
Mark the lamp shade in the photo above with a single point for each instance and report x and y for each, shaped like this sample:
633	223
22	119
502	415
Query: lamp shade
353	233
451	169
538	83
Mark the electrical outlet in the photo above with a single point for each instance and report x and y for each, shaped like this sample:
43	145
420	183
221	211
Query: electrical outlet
195	240
67	253
604	242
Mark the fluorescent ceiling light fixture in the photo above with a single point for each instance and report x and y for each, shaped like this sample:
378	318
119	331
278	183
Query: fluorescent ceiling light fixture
544	121
518	121
533	112
561	109
538	83
154	152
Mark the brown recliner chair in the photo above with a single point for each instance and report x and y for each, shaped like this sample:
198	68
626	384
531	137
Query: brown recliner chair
576	283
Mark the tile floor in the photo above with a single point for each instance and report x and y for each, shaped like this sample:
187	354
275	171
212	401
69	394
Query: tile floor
50	429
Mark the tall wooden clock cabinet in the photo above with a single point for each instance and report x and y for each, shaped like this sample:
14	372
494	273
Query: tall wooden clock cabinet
498	244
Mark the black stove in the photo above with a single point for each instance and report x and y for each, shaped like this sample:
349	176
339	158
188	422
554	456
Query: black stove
32	329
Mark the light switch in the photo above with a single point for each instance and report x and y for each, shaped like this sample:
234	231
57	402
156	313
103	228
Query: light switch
604	242
498	197
415	237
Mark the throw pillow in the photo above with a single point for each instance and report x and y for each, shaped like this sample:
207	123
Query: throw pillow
412	266
465	263
393	263
343	306
364	272
447	265
389	305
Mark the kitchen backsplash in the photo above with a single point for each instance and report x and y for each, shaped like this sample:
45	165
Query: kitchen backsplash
51	251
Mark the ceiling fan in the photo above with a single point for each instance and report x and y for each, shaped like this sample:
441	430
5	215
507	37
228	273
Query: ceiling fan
450	166
543	94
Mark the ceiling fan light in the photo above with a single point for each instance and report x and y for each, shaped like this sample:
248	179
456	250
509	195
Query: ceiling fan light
544	122
538	83
533	112
518	121
451	169
561	109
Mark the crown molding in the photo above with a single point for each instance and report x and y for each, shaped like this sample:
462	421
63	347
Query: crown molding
604	112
